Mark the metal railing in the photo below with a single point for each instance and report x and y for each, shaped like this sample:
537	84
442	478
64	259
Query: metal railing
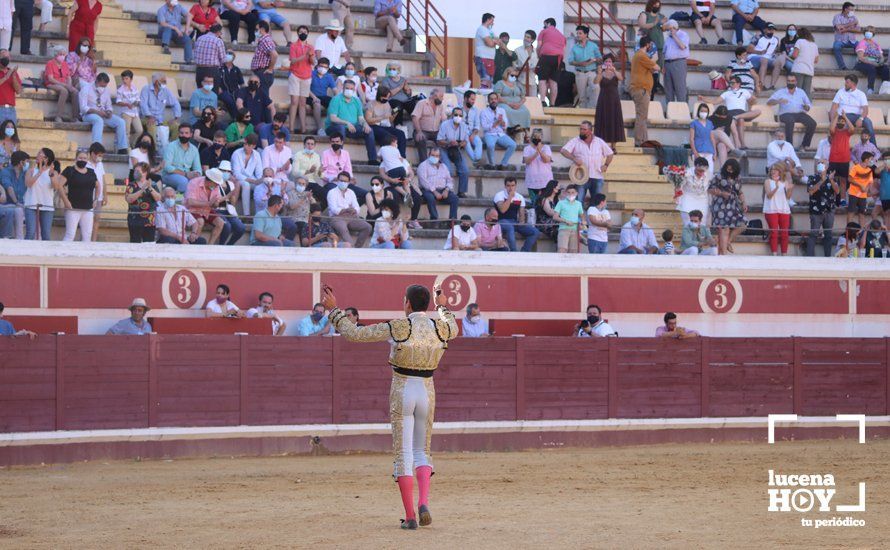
422	17
604	26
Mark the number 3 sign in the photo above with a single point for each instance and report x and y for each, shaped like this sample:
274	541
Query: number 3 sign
184	289
720	296
459	289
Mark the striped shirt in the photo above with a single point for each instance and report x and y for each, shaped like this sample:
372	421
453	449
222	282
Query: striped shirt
743	71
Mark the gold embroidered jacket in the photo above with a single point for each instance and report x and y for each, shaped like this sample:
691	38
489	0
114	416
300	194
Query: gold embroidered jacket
417	342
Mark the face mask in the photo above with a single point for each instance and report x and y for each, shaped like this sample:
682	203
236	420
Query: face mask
9	131
493	106
208	87
656	9
820	168
464	228
434	160
208	116
322	71
163	86
226	176
457	119
593	319
869	35
100	89
268	180
253	86
376	188
511	78
386	214
145	144
336	146
348	93
174	3
536	141
850	13
349	73
301	188
316	316
437	101
527	42
230	58
475	318
169	203
792	33
60	57
302	36
307	151
81	164
694	225
342	185
572	198
25	166
582	135
393	72
84	49
703	115
183	139
634	220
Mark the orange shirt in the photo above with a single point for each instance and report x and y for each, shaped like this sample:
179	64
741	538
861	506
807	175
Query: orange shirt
641	71
860	178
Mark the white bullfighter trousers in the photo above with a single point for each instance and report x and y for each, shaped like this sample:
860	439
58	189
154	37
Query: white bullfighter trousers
412	401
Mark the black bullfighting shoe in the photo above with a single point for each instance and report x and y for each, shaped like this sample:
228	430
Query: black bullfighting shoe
409	524
423	512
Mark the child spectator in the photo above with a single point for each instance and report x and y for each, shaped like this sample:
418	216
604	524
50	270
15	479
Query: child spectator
128	98
319	91
667	237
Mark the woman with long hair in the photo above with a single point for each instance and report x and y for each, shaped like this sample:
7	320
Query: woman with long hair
728	206
9	141
544	213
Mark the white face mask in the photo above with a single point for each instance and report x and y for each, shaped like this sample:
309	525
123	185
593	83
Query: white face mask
322	71
386	214
268	180
572	198
511	78
475	318
457	119
375	188
84	49
703	115
230	58
100	89
348	93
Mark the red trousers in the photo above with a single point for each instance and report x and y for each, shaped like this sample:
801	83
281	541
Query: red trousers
778	225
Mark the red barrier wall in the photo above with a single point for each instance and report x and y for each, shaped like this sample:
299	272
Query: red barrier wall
92	382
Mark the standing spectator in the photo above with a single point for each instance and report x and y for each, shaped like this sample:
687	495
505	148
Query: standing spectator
314	324
267	12
694	189
538	160
318	233
236	11
489	232
174	223
823	191
203	98
386	16
83	18
10	86
599	220
793	106
777	190
805	55
9	141
566	88
474	325
210	54
763	54
247	169
864	145
173	23
233	227
142	196
609	120
202	198
267	226
883	198
870	59
436	185
728	206
57	77
379	114
704	13
335	161
12	180
851	102
503	57
81	62
221	305
671	330
494	125
95	109
389	231
231	80
474	126
342	12
265	311
343	207
746	13
846	27
182	161
585	56
703	138
128	100
598	325
79	198
780	151
346	118
323	83
840	131
544	203
484	49
551	45
513	217
307	162
568	212
697	239
738	104
511	98
462	235
332	47
637	237
427	117
136	324
7	214
642	67
650	24
592	153
452	137
42	183
265	57
676	52
203	17
278	157
527	61
96	153
153	101
861	178
255	100
299	81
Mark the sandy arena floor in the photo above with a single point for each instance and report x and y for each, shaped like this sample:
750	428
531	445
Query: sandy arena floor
703	496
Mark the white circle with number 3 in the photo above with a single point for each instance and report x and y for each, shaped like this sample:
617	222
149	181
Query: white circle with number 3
459	289
180	292
717	301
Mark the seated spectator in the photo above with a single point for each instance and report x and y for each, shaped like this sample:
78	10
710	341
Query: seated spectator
870	59
793	106
231	81
202	16
221	306
584	330
823	191
57	77
202	198
268	13
762	55
153	102
637	237
427	117
81	189
462	236
568	212
745	13
314	324
264	311
742	68
511	98
401	100
7	215
392	161
203	98
346	119
667	237
321	91
436	185
41	182
212	156
307	162
704	12
598	325
874	241
405	188
379	115
267	132
370	85
865	145
474	127
848	243
142	196
493	122
474	325
671	330
780	151
335	160
255	100
374	199
696	239
451	139
786	48
360	194
270	185
344	208
330	45
738	104
236	12
386	16
267	226
12	180
599	220
81	63
7	329
173	23
319	233
350	74
852	103
278	157
247	169
489	232
128	99
233	227
592	153
389	231
172	220
239	129
136	324
95	110
513	217
181	160
205	128
846	27
538	160
9	140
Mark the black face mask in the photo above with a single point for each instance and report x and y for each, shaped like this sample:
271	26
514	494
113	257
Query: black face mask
4	61
253	86
336	146
437	101
536	141
302	36
145	144
593	319
493	106
218	146
208	116
184	140
81	164
465	227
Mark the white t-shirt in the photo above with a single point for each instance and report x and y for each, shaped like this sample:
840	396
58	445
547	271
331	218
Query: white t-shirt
254	312
464	238
332	49
137	156
850	103
501	196
595	233
99	169
483	51
806	57
40	193
736	99
604	329
390	157
768	44
779	203
214	306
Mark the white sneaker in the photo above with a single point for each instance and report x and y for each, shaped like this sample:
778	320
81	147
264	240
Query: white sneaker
321	132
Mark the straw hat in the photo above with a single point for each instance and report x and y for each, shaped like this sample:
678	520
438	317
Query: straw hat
714	75
578	174
334	25
139	302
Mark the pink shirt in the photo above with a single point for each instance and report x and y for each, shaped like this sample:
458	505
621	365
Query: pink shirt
538	172
488	235
332	164
593	155
551	42
197	190
276	160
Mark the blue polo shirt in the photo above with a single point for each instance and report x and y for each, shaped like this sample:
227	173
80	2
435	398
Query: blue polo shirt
321	84
584	53
6	328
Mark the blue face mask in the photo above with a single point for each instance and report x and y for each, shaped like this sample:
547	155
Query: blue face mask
634	220
169	203
342	185
349	73
9	131
792	33
208	87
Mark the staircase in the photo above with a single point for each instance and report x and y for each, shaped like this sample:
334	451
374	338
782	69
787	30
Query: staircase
121	41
